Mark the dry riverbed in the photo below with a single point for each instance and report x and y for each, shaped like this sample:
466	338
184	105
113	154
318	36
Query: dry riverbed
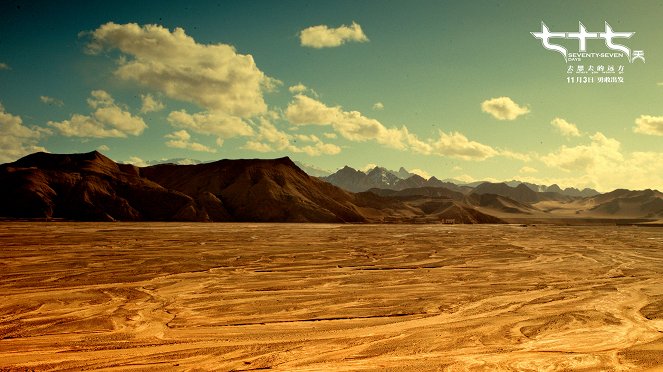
329	297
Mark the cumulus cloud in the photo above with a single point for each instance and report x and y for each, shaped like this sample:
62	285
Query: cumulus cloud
514	155
298	88
150	104
565	128
503	108
4	66
368	167
603	165
181	139
269	139
135	160
456	145
218	124
527	170
601	151
351	125
51	101
108	120
651	125
378	106
100	98
323	36
420	172
465	178
16	139
354	126
302	89
103	148
213	76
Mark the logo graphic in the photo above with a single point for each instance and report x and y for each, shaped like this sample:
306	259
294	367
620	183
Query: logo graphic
608	35
586	66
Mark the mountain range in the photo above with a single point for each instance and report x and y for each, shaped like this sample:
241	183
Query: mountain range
379	177
92	187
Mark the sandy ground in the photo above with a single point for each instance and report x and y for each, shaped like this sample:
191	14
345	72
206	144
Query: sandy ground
307	297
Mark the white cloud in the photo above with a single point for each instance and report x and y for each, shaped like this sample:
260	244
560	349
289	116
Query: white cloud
150	104
565	128
269	139
601	164
218	124
181	139
103	148
305	110
187	161
354	126
299	88
652	125
420	172
465	178
213	76
351	125
51	101
456	145
598	153
135	160
16	139
368	167
527	170
330	135
107	120
503	108
378	106
514	155
4	66
100	98
302	89
323	36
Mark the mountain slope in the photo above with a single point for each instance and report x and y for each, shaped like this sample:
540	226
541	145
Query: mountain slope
638	204
86	186
520	193
260	190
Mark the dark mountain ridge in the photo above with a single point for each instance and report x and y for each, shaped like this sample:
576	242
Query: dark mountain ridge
92	187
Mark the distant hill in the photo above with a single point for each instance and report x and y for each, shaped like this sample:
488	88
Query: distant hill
381	178
258	190
569	191
92	187
438	203
86	187
520	193
500	204
621	202
432	192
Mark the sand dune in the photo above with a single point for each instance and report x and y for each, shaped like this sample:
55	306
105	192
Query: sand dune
320	297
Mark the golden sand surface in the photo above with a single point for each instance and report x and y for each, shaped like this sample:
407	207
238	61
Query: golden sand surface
311	297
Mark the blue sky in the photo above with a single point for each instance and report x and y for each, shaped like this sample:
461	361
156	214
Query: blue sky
452	89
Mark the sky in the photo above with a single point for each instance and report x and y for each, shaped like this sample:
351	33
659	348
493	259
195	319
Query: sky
451	89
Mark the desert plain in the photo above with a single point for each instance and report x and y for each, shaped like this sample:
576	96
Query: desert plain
314	297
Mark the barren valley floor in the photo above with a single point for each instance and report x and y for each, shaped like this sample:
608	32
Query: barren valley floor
329	297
